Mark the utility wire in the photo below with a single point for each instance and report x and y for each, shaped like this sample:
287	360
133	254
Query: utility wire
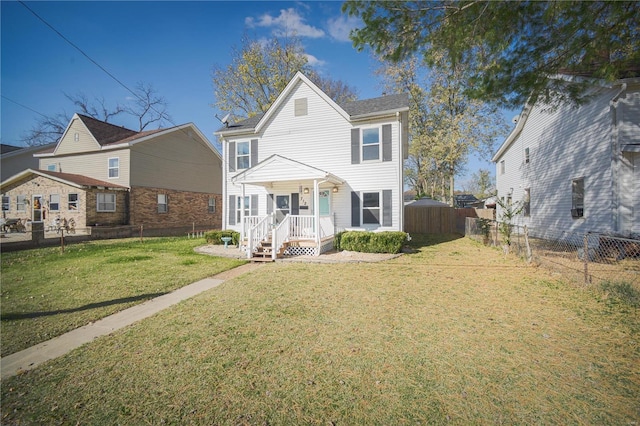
23	106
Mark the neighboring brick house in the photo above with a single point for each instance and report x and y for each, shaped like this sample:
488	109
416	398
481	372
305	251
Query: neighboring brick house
164	178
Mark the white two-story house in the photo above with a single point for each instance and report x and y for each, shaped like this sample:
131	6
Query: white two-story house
308	168
576	169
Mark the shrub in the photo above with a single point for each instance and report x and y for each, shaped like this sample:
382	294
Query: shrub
337	238
371	242
214	237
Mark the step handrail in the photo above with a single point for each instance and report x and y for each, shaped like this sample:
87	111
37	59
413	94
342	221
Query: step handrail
258	233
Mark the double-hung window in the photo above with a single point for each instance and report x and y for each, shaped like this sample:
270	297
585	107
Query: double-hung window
114	167
212	205
54	202
6	203
21	203
371	144
243	204
371	208
526	209
243	155
577	197
106	202
72	202
163	203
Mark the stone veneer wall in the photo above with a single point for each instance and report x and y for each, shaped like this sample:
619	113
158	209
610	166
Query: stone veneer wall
184	209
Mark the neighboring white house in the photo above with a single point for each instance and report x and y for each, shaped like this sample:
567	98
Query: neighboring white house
308	168
576	169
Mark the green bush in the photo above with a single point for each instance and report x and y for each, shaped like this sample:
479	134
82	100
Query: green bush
371	242
337	238
214	237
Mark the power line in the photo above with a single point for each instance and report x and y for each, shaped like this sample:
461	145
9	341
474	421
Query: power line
23	106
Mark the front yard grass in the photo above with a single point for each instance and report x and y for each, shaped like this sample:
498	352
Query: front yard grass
45	293
455	333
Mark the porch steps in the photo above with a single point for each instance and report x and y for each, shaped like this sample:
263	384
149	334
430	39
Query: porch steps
264	252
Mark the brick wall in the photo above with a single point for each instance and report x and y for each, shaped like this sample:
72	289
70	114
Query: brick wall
118	217
183	208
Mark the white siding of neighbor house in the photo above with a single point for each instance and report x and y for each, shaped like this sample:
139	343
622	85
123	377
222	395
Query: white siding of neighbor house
321	139
85	143
94	164
567	144
178	160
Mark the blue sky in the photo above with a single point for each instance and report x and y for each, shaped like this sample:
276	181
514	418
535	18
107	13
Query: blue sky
171	45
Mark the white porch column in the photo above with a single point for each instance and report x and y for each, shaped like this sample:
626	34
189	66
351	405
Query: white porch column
316	213
242	228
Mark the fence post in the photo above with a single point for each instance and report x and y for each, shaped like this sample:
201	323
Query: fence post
61	240
586	258
526	242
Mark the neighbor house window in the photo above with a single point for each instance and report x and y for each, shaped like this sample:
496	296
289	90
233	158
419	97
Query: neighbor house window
212	205
370	144
20	203
6	204
502	167
243	157
54	202
577	197
114	167
163	201
76	136
300	107
526	156
72	202
106	202
371	208
526	209
51	167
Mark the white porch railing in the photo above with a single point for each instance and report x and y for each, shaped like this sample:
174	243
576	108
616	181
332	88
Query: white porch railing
257	233
326	227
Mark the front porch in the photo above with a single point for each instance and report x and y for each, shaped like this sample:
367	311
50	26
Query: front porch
262	239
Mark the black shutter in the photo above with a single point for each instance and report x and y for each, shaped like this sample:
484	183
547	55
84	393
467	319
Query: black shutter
254	152
254	205
355	146
355	209
232	209
269	203
386	142
232	156
387	205
295	203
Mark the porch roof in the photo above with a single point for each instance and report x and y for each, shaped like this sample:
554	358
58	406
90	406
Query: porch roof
281	169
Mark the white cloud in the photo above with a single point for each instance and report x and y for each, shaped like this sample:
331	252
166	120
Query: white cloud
287	23
313	61
340	27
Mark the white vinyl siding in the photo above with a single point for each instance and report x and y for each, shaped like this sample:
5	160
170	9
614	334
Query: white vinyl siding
96	165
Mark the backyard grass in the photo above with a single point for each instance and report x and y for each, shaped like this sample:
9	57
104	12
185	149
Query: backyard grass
455	333
46	293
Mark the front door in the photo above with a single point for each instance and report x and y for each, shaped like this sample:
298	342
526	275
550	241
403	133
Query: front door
283	207
36	202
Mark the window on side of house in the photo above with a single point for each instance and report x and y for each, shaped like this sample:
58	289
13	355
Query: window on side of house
51	167
106	202
6	203
526	209
54	202
114	167
243	155
371	144
577	198
212	205
300	107
163	203
72	202
502	168
371	208
527	158
21	203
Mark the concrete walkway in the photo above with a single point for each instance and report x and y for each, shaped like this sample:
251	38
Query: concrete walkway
30	358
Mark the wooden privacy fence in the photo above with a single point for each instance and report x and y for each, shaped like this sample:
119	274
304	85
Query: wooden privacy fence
440	219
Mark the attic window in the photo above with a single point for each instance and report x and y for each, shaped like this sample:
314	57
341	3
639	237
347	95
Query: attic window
527	158
300	107
76	136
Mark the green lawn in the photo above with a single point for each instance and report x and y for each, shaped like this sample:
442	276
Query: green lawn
455	333
46	293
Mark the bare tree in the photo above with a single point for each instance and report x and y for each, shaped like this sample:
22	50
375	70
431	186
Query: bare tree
148	107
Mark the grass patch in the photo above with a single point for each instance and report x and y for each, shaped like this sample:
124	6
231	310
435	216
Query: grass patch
46	293
454	333
621	292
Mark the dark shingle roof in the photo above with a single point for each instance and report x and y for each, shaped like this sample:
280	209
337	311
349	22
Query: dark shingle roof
80	179
106	133
4	149
354	109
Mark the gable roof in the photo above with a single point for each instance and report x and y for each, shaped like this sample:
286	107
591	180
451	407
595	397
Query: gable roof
105	133
266	172
4	149
350	111
78	181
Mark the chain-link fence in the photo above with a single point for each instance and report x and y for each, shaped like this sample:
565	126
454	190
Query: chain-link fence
584	258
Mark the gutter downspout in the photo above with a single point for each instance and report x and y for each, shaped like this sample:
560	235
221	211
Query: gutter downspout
401	174
615	159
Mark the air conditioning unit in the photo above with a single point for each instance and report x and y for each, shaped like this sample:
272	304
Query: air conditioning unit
577	212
